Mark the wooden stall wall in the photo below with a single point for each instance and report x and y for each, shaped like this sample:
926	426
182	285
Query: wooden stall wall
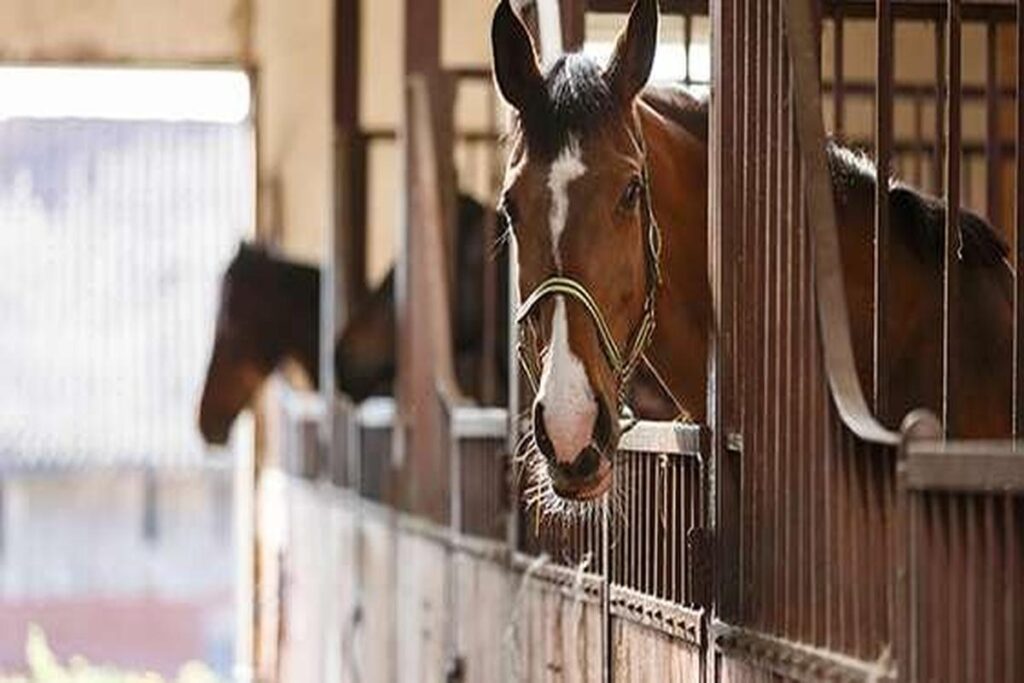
424	608
482	605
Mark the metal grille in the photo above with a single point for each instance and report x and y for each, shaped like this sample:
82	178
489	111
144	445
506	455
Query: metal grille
375	470
573	542
968	581
805	511
484	489
658	503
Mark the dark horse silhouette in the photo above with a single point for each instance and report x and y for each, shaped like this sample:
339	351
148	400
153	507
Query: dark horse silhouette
270	311
598	161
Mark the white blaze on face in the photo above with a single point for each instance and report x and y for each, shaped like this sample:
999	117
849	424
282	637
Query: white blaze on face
567	167
570	410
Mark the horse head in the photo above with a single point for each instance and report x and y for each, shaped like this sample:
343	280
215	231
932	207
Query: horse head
577	202
268	310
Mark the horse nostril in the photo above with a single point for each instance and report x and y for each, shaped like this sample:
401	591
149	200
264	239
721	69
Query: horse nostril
586	463
540	434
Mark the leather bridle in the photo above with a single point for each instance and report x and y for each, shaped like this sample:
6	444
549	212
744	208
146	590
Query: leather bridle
623	362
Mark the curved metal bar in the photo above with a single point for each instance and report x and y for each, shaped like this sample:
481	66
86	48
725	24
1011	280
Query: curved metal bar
833	316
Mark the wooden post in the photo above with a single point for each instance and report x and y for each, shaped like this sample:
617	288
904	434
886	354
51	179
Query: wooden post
350	161
421	285
424	319
573	14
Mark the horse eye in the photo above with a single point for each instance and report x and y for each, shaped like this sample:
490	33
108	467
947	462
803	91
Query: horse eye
631	195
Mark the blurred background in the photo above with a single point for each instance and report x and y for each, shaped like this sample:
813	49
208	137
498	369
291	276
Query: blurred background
140	142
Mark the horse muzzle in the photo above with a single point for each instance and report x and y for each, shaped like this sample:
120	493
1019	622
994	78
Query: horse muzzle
588	474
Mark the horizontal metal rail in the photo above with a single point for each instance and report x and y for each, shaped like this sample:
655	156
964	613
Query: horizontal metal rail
302	406
671	438
926	9
792	660
475	422
376	413
685	623
964	466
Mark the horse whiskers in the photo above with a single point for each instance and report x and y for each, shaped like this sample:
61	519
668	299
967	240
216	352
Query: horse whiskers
500	243
540	495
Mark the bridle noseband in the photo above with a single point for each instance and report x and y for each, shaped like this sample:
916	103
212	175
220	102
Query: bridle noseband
622	364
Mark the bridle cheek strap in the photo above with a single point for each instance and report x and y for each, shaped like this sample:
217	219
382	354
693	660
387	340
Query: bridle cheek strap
623	365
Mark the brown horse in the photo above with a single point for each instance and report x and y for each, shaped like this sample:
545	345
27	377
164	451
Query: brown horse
364	357
270	311
606	192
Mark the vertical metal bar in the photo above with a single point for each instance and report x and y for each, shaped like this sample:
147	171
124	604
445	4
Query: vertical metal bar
957	584
633	525
951	280
514	535
758	595
771	323
647	525
687	44
607	661
657	532
972	574
915	542
883	151
745	97
1011	589
838	71
992	597
993	148
788	232
1018	299
937	565
940	105
919	144
678	552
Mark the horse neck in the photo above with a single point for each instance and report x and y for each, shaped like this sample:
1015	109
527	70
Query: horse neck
677	161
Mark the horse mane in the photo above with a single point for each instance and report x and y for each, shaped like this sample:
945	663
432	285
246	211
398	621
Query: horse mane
257	259
679	105
918	218
576	102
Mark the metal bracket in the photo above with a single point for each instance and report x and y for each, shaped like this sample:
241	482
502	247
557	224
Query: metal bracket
734	443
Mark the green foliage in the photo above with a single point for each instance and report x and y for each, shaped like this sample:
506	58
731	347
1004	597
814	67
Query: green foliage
43	667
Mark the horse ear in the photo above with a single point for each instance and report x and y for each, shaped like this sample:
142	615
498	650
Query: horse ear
515	61
630	65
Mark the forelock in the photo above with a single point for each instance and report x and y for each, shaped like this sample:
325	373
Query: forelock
577	102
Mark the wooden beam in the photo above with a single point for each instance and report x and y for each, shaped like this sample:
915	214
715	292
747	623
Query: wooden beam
424	317
422	36
573	15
